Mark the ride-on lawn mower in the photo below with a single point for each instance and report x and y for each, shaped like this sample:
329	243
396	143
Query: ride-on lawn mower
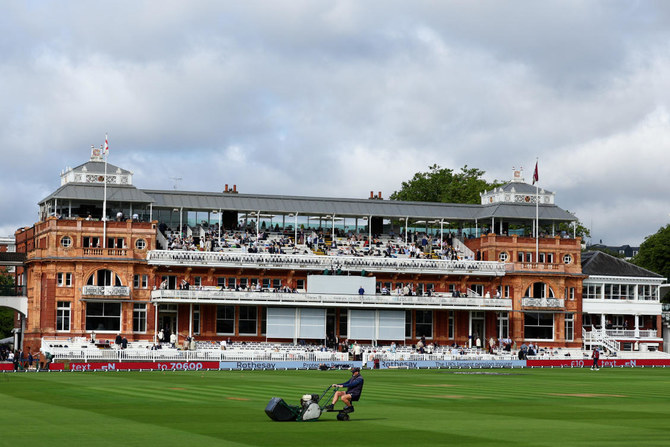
310	409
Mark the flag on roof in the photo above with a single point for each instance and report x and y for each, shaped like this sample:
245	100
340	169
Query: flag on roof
536	177
107	147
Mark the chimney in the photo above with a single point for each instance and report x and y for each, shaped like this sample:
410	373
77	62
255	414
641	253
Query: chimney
372	194
226	190
380	195
234	188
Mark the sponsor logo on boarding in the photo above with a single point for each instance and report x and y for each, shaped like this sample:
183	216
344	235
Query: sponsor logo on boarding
256	365
314	365
453	364
398	364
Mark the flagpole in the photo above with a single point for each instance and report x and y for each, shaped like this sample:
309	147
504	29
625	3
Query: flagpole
104	200
537	212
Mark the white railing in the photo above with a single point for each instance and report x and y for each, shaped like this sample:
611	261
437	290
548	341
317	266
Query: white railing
105	291
279	298
627	333
311	262
597	337
542	302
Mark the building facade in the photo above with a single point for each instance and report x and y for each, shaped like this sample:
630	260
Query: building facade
227	265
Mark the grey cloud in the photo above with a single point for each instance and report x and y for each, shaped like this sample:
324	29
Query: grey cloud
340	98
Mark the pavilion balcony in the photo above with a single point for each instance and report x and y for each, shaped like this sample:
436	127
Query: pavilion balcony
536	267
623	334
302	299
547	303
107	252
105	291
316	262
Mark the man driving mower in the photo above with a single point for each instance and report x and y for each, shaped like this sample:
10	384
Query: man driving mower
354	387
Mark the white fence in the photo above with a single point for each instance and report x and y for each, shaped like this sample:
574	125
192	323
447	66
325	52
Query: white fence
368	263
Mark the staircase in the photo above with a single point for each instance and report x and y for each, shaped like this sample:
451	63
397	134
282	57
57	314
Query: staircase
598	338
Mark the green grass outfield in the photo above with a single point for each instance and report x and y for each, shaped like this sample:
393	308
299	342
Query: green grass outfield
566	407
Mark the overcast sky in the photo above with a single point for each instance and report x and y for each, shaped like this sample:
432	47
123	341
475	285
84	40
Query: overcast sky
340	98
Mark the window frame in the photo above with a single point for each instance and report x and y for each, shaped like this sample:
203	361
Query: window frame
139	318
63	314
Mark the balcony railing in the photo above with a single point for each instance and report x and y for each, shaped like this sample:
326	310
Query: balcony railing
12	290
338	300
624	334
316	262
643	333
105	251
542	302
536	267
105	291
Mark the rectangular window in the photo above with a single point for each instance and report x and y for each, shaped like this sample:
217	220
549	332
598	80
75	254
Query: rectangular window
64	279
521	256
502	322
506	293
145	281
540	257
247	323
244	282
196	319
225	320
63	316
253	282
264	320
451	325
136	281
140	318
569	327
571	295
197	281
91	242
266	283
538	326
276	283
529	257
232	283
300	284
550	258
221	282
592	291
103	317
343	323
408	324
424	323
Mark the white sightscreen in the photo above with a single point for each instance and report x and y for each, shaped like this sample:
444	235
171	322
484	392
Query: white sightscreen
391	325
340	285
281	322
362	324
312	323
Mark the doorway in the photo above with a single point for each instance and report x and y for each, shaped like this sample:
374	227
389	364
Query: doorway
477	328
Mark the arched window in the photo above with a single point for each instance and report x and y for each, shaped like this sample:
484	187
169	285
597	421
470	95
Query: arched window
104	277
539	290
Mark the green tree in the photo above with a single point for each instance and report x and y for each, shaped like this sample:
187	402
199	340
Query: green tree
444	185
6	315
654	252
